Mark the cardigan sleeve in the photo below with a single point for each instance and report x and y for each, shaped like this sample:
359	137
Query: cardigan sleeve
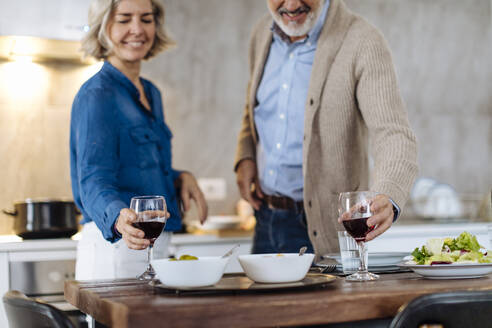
392	141
245	145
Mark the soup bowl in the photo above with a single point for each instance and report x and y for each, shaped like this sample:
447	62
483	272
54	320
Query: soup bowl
205	271
276	268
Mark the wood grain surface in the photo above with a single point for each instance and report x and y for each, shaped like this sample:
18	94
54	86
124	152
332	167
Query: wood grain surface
132	303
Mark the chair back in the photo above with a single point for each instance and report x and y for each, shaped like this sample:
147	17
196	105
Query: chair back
23	311
450	309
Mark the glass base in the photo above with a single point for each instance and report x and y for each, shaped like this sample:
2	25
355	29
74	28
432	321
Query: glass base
149	274
362	276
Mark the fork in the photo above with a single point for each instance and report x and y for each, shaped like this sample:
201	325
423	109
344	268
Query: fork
323	269
329	268
229	253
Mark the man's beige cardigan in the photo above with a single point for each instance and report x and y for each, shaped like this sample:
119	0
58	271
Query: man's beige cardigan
353	97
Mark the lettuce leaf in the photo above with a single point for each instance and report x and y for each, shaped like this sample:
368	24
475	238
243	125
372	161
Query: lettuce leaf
434	246
419	256
466	241
470	257
443	257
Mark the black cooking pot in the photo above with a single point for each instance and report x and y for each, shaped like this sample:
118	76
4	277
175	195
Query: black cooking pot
38	219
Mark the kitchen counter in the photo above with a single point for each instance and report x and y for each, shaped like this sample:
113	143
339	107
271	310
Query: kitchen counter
404	235
13	243
14	248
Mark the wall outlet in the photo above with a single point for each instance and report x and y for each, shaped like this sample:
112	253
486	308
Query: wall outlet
213	188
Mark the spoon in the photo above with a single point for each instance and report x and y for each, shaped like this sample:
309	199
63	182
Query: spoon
229	253
302	250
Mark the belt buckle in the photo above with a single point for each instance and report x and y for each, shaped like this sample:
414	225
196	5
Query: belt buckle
269	202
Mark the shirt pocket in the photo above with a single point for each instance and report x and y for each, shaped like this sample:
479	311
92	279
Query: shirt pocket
146	144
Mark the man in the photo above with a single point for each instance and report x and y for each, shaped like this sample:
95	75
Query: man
322	84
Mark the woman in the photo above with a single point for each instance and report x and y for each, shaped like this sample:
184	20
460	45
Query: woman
120	146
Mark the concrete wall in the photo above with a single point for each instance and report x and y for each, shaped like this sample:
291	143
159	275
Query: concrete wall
442	51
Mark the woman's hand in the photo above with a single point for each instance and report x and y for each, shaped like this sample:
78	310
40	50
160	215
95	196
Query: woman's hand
133	237
189	190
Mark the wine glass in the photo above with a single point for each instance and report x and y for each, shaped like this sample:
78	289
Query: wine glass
354	209
151	219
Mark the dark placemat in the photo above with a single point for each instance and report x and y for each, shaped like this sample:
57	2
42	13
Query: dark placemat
238	282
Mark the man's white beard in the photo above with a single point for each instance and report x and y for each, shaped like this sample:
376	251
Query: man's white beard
293	29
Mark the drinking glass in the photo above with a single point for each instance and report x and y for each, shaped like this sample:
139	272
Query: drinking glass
151	219
354	209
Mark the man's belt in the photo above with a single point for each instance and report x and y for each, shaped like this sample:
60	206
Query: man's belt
283	203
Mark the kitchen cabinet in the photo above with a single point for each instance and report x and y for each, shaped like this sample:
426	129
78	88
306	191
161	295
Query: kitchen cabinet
36	267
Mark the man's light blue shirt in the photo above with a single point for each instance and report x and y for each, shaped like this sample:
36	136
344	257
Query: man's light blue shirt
279	116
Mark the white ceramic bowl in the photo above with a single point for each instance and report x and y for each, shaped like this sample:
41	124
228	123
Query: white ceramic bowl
205	271
272	268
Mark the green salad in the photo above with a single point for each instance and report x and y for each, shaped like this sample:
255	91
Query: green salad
463	249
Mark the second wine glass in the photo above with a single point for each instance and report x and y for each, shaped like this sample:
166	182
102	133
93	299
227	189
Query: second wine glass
355	209
151	219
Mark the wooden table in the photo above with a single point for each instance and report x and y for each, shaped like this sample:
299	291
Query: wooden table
130	303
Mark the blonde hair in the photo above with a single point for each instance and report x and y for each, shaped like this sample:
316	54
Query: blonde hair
97	43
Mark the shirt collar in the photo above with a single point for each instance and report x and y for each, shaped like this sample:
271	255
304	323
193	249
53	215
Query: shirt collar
118	76
312	35
121	78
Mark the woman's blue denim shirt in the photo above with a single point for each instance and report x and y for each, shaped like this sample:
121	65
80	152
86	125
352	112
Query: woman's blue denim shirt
118	150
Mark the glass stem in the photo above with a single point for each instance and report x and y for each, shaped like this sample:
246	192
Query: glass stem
149	256
363	256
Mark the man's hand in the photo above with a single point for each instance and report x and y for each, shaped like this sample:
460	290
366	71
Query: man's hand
382	217
248	183
133	237
190	190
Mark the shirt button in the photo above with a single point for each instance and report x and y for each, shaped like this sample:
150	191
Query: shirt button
308	44
270	172
285	86
279	146
291	56
311	101
159	147
282	116
309	203
315	233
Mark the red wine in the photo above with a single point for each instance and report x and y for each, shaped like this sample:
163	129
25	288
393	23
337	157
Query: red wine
152	229
357	228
